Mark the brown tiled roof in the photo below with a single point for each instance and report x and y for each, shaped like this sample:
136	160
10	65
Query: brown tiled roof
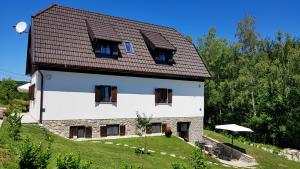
102	31
156	41
60	38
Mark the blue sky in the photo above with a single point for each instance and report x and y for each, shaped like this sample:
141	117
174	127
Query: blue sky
189	17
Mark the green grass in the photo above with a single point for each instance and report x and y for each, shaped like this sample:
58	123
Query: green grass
265	159
112	156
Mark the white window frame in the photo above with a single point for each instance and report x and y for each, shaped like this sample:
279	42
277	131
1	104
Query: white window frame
131	46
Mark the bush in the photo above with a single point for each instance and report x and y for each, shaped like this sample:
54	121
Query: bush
33	156
168	132
141	151
198	159
71	161
14	127
178	166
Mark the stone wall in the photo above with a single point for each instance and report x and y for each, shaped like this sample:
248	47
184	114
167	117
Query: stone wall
62	127
227	152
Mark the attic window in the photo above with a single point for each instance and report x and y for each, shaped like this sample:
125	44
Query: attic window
105	40
160	48
128	47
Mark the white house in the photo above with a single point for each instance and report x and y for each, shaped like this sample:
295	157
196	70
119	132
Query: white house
91	74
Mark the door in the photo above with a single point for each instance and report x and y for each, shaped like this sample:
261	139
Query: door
183	130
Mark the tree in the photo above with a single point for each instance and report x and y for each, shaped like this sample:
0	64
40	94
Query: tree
143	125
255	82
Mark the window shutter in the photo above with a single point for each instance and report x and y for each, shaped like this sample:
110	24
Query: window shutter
98	95
103	131
156	95
114	93
122	130
163	127
170	93
88	132
178	127
31	92
73	131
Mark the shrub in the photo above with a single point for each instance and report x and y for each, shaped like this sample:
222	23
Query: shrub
141	151
178	166
168	132
33	156
198	159
14	121
71	161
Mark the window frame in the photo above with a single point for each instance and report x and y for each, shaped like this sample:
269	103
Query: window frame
113	47
112	96
87	131
167	100
131	47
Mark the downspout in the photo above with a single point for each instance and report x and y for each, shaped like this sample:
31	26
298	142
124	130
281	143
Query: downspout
42	97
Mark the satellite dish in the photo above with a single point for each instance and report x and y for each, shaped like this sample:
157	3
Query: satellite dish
21	27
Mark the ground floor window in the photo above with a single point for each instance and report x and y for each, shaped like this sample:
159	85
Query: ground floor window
112	130
156	128
183	130
80	132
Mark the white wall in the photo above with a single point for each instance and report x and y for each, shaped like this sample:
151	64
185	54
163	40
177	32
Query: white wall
72	96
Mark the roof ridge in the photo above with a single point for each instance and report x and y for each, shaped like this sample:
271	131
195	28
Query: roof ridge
132	20
44	10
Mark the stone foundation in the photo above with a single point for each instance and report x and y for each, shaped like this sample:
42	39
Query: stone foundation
62	127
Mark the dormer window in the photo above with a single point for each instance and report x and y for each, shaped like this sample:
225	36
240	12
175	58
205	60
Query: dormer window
162	58
104	38
105	49
160	48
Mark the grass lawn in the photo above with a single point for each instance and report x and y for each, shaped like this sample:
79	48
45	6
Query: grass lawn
113	156
265	159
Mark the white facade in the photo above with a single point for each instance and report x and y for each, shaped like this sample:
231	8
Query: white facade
72	96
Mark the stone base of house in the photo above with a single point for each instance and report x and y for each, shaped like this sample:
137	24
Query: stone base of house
62	127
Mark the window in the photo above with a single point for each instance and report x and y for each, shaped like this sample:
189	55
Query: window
80	132
112	130
104	49
162	57
163	95
128	47
156	128
31	92
105	94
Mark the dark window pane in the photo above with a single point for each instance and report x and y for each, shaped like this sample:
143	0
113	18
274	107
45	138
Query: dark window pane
112	130
156	127
163	95
128	47
106	92
105	49
80	132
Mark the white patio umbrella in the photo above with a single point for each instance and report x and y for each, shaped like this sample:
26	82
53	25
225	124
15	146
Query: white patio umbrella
24	88
234	128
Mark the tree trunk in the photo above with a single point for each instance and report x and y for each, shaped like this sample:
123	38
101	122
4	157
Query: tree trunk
253	103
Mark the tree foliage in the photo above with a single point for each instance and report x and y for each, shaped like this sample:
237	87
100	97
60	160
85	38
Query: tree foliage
255	82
